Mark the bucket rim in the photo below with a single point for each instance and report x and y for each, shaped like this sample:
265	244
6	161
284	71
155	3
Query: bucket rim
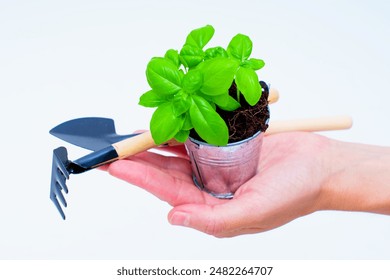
198	142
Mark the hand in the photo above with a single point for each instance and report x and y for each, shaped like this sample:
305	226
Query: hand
289	182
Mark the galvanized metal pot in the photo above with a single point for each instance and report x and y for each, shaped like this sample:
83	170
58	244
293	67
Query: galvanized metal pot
221	170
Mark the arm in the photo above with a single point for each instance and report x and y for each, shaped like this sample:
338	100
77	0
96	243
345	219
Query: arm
360	178
299	173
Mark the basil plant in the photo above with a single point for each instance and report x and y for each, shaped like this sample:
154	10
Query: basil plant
188	85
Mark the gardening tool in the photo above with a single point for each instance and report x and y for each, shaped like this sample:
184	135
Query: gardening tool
97	133
63	167
92	133
310	124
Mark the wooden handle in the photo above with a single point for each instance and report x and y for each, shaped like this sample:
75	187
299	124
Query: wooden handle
144	141
273	96
134	145
313	124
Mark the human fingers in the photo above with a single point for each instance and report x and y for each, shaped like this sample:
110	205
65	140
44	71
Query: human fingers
160	183
226	219
179	170
178	150
169	163
103	167
176	163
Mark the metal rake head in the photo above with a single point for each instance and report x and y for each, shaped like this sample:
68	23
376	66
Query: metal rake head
59	175
62	167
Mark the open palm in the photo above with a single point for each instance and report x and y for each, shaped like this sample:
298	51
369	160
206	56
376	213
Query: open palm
287	185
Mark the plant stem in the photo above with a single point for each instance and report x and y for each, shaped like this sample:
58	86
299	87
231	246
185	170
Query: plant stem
238	95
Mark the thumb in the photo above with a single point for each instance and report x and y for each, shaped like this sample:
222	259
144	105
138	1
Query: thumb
221	220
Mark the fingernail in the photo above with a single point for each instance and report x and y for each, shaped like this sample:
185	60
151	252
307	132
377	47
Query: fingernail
180	219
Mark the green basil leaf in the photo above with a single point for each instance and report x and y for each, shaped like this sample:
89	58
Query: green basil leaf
164	125
208	98
254	63
181	103
220	100
182	136
187	125
152	99
240	47
200	37
181	74
192	81
163	76
207	123
218	75
248	84
215	52
191	56
173	55
226	102
212	104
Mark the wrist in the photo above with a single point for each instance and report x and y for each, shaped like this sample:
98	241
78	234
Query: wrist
358	178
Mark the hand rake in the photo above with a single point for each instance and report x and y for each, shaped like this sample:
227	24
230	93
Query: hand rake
63	167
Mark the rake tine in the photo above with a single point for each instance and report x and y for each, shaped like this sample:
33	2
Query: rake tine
61	160
56	203
61	181
60	196
59	176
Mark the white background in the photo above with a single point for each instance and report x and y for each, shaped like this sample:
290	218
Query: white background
61	60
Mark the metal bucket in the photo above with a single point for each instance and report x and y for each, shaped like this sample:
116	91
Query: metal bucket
221	170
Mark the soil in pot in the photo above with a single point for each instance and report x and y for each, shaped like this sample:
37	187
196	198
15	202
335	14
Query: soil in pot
247	120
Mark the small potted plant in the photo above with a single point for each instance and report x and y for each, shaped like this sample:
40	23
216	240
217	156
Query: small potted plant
211	100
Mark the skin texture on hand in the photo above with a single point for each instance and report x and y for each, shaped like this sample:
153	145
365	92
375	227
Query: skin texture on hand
360	178
298	174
